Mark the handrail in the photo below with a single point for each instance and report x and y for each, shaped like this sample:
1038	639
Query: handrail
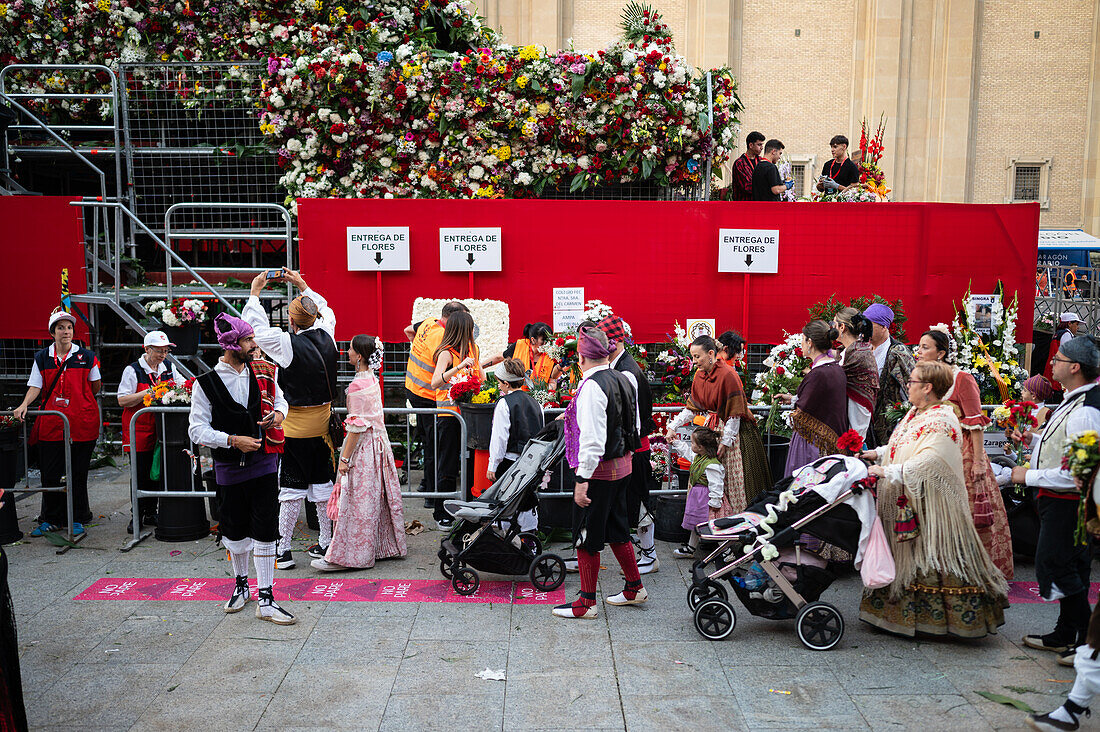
135	220
168	235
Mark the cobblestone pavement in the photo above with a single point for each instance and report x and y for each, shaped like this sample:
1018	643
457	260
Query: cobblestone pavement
393	666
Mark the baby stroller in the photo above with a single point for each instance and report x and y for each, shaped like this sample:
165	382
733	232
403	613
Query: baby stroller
486	535
772	572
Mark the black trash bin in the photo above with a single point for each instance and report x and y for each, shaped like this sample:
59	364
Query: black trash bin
179	519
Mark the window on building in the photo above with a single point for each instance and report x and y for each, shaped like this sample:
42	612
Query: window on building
802	172
1028	180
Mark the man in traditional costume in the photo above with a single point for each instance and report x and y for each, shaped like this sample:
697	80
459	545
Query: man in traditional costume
1063	555
641	474
894	361
718	401
232	409
307	357
601	434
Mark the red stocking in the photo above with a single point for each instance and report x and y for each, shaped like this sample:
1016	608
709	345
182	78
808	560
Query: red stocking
589	565
624	552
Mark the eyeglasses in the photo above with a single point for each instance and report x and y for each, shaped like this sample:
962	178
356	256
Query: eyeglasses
916	381
1062	360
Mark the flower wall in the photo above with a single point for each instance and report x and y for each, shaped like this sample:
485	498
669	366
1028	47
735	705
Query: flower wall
409	98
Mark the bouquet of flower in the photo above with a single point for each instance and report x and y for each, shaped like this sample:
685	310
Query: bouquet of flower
991	358
178	312
784	368
896	412
562	347
1082	459
786	173
673	366
850	443
169	394
464	387
661	461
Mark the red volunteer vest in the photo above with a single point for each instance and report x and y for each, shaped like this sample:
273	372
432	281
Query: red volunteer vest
146	431
72	396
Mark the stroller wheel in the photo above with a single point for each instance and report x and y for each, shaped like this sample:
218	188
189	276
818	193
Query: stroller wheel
547	572
706	591
530	543
465	581
819	625
446	568
714	619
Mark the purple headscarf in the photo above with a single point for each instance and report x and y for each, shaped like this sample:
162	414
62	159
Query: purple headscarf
879	314
231	329
589	347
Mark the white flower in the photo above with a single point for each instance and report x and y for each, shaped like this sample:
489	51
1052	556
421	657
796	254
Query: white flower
477	172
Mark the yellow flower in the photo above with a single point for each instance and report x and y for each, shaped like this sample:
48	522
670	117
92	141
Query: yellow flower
521	81
529	53
543	109
1088	438
485	192
3	9
504	152
103	5
1082	454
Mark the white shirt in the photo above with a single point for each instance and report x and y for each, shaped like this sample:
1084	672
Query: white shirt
198	427
881	351
35	378
498	443
1081	419
1066	338
128	384
592	419
276	342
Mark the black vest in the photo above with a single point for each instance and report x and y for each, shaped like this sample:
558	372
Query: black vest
226	415
622	437
145	379
628	365
525	417
303	382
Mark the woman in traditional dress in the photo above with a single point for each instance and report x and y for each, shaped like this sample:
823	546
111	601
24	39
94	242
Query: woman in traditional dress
370	521
945	582
718	401
986	505
857	358
821	403
541	368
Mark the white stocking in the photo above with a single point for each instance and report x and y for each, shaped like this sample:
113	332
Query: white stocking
324	524
264	557
288	517
645	537
238	554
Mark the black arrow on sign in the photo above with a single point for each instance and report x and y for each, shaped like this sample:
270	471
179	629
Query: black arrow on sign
748	259
378	257
470	258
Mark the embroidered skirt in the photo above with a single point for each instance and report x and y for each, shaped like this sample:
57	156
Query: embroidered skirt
936	604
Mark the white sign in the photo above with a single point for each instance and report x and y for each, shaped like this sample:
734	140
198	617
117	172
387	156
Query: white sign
568	308
755	251
378	248
700	327
469	250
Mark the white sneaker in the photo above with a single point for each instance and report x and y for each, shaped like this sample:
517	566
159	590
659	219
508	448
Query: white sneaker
647	563
326	566
621	599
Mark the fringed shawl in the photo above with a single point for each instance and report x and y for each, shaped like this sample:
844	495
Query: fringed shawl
821	414
719	392
926	446
862	373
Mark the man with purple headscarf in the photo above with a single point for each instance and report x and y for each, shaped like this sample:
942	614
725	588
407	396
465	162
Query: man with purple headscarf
601	435
226	417
895	362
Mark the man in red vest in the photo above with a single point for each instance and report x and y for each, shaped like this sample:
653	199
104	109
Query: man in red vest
137	381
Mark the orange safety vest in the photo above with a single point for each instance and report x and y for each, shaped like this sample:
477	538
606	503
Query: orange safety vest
421	365
541	369
442	399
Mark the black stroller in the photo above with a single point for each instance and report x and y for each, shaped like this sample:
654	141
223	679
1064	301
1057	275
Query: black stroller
486	535
774	574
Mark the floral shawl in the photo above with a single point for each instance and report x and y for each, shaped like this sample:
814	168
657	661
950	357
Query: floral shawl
862	372
923	462
719	392
893	387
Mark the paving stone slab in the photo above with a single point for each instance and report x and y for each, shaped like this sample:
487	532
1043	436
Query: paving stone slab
90	696
219	710
931	713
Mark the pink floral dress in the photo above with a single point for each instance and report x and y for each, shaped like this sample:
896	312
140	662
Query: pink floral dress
371	524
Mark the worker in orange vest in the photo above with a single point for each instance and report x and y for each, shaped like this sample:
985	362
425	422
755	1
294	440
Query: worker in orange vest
1069	287
541	368
1042	283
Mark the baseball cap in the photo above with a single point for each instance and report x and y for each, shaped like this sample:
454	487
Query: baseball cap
157	338
60	315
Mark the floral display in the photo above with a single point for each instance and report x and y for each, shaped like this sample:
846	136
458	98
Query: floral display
563	349
828	309
784	368
168	394
991	358
1081	457
673	367
872	180
407	98
177	313
464	387
491	319
1017	415
850	443
661	461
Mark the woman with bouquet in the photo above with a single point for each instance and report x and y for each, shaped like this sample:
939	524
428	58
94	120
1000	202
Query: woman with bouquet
821	402
946	583
986	505
456	358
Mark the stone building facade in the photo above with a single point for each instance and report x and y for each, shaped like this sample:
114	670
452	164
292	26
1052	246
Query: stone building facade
987	101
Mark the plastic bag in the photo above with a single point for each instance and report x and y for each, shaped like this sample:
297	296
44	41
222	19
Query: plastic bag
155	468
333	510
878	568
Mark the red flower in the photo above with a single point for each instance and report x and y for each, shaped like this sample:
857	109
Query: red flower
850	442
779	370
677	380
559	342
782	355
399	91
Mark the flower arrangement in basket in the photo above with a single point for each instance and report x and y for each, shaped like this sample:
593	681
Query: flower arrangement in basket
1082	459
464	387
785	366
490	391
169	394
177	313
1017	415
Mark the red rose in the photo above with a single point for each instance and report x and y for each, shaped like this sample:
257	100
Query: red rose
782	355
677	380
671	352
559	342
779	370
399	91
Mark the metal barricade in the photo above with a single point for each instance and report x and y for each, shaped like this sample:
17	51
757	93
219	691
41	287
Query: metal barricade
68	472
137	493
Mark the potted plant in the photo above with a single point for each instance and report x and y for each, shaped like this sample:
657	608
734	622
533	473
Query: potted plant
180	319
476	400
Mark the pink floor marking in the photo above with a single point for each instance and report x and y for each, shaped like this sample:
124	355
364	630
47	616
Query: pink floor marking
319	589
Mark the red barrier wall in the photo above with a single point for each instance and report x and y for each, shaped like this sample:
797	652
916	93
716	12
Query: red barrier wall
39	236
656	262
